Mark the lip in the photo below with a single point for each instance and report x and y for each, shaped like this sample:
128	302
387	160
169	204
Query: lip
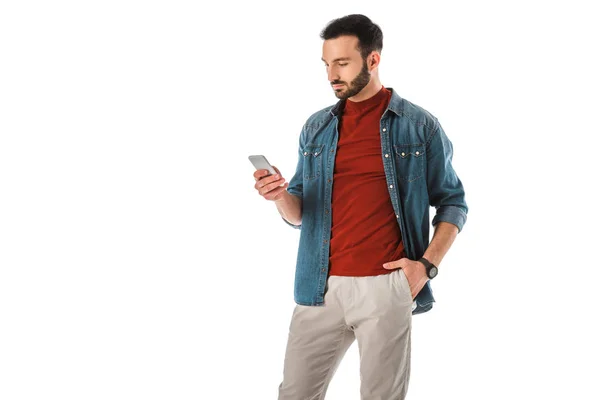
337	86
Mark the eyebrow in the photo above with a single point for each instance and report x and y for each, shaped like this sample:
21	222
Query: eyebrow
337	59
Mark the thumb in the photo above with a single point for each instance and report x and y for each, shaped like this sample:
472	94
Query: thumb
390	265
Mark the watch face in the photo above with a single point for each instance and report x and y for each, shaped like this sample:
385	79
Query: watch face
433	272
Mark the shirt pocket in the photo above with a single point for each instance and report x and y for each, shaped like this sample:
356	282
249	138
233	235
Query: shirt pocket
410	161
312	160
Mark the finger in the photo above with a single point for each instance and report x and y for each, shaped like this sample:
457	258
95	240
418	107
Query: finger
260	173
391	265
267	180
261	182
271	186
266	189
275	193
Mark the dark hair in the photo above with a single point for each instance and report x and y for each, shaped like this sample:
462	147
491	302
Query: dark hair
369	34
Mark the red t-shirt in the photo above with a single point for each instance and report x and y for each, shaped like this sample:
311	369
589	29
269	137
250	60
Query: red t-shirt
365	232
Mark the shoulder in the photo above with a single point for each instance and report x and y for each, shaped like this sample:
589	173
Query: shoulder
315	123
318	118
416	114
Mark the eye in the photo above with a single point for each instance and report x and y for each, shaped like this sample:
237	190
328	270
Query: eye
343	65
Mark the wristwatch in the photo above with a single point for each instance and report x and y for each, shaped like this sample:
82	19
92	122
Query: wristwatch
431	269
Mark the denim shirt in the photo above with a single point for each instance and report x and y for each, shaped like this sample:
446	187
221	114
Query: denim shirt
416	156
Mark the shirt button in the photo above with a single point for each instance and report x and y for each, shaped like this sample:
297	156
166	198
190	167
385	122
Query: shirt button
387	155
416	153
323	270
397	216
384	129
403	154
391	186
305	153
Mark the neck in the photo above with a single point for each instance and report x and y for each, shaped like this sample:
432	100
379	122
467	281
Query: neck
372	88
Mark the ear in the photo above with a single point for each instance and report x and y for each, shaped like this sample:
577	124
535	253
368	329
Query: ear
373	60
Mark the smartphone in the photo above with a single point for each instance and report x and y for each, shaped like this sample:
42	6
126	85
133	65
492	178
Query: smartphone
260	162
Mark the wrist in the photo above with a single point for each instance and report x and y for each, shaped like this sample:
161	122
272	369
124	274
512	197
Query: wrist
283	198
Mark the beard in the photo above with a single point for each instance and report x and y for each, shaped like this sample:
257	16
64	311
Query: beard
357	84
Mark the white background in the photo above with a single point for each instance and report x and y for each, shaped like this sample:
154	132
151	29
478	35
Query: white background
137	260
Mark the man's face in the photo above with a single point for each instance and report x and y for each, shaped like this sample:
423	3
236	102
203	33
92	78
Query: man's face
347	71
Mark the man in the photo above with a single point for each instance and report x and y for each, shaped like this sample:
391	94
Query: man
369	168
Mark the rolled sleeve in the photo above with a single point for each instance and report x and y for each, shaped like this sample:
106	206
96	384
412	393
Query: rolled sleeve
446	192
295	187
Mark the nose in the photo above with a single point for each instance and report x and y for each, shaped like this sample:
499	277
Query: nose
332	74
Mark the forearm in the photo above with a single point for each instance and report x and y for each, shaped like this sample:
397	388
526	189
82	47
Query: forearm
290	208
443	237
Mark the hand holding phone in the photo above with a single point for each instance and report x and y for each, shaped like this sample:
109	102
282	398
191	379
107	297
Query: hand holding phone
269	184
